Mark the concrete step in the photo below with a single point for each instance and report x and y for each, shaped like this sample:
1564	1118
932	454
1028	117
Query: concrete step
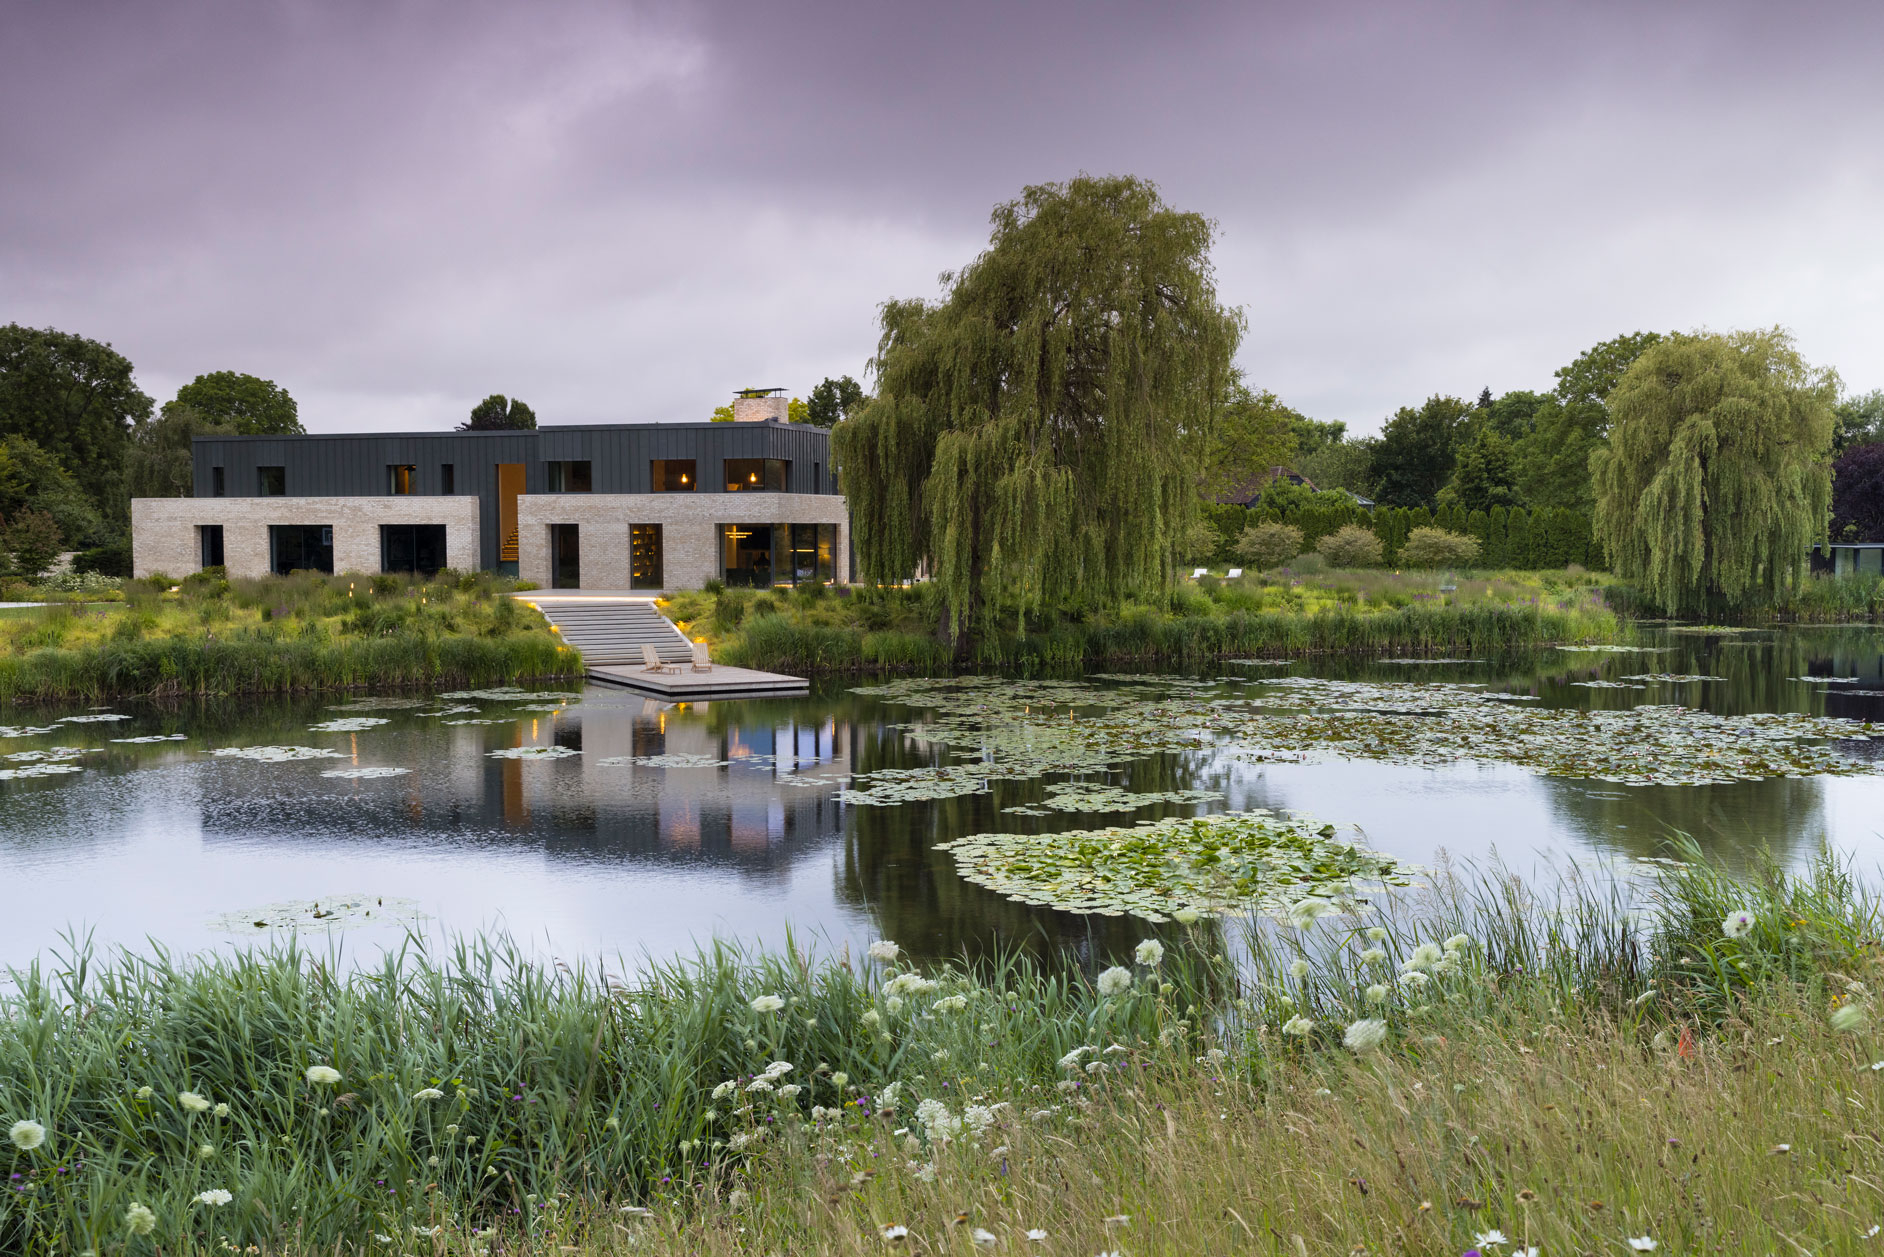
613	630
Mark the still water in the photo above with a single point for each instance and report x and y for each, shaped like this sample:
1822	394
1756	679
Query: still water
737	829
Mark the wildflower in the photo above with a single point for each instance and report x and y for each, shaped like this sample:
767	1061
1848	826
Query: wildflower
214	1196
430	1093
1458	942
1376	933
759	1084
1487	1239
767	1004
840	1080
1305	912
983	1237
895	1233
1149	953
1850	1017
736	1198
778	1067
950	1004
977	1117
145	1093
426	1232
1414	978
884	950
789	1090
890	1096
1298	1025
205	1151
433	1161
1736	925
871	1018
1425	956
27	1135
1373	956
1036	1235
221	1110
193	1102
1115	981
1377	994
1186	916
139	1220
1298	969
323	1075
1071	1059
1642	1244
1364	1035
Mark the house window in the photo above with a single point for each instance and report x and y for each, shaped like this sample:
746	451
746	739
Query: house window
569	476
813	553
215	482
756	475
447	479
565	556
300	548
673	475
402	478
272	482
209	537
417	548
644	556
817	477
746	555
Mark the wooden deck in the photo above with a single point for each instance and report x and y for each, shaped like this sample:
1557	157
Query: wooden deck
690	686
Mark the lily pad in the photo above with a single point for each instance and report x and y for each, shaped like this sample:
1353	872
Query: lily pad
39	770
327	913
365	774
155	737
277	754
534	752
348	724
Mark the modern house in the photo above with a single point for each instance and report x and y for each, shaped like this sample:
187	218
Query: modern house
1849	558
642	506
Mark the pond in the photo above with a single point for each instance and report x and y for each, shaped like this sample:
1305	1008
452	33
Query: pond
597	821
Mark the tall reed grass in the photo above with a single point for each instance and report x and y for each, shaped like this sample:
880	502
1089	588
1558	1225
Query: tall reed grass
509	1102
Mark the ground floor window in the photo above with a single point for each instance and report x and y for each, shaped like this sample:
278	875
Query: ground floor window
761	555
300	548
644	556
416	548
209	539
565	557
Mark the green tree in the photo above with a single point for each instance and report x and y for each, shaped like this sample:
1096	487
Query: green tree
722	414
1350	546
1313	435
1036	437
797	412
1597	370
498	413
1253	433
1269	545
1347	465
76	400
32	480
1414	458
159	464
1513	415
1437	547
1483	475
244	404
833	400
29	542
1716	478
1552	464
1860	421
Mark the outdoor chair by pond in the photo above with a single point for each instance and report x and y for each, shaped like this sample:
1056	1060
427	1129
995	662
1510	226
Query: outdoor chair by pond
1233	573
1198	573
701	663
653	661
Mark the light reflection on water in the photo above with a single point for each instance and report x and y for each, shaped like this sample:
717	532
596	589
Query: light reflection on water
575	855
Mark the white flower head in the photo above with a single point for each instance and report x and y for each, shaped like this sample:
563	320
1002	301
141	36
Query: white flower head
789	1090
1149	953
1458	942
1491	1238
724	1089
193	1102
1376	933
1850	1018
145	1093
1425	956
26	1135
1115	981
1036	1235
895	1233
983	1237
1187	916
139	1220
1299	1026
214	1196
1305	912
1298	968
1736	925
1642	1244
949	1004
761	1083
884	950
1373	956
221	1110
778	1068
767	1004
323	1075
1377	994
430	1093
1365	1035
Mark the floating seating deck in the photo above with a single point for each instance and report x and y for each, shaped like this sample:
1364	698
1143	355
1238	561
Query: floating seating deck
610	628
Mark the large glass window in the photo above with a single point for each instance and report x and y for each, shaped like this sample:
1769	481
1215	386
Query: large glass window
300	548
565	557
402	478
813	551
746	555
416	548
673	475
210	537
756	475
272	482
570	476
644	556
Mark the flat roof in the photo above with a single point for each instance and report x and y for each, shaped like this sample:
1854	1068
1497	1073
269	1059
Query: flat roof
548	427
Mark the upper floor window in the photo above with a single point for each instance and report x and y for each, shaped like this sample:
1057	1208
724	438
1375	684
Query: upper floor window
216	488
402	478
673	475
756	475
447	478
272	482
569	476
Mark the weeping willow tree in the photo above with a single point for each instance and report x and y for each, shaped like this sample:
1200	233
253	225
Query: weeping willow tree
1716	479
1035	437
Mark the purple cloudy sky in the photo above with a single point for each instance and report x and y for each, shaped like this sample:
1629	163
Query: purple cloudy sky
622	212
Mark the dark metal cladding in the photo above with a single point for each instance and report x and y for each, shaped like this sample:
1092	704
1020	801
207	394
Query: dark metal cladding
619	457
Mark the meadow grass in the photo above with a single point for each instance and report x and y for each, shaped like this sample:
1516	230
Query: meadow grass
276	635
1573	1064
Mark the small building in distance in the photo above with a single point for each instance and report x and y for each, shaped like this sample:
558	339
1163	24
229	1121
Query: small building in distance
628	506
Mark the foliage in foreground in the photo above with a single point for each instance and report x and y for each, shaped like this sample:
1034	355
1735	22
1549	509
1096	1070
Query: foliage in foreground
279	634
1477	1056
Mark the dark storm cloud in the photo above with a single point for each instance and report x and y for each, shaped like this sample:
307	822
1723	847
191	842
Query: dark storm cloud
623	212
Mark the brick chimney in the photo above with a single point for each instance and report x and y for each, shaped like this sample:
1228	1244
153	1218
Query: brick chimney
759	405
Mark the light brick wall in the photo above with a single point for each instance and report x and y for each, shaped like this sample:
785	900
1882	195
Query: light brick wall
689	530
760	409
164	534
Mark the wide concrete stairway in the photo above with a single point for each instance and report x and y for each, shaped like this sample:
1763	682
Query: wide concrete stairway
612	630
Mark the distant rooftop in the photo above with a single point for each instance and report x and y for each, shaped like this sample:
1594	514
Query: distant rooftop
759	392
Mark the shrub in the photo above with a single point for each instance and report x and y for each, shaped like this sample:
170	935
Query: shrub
716	587
1350	546
1269	545
106	560
1435	547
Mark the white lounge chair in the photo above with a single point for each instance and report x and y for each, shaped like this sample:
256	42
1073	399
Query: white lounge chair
701	663
1198	573
1233	573
653	661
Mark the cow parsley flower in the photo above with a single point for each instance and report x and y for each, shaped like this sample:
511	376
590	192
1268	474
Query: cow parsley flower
1115	981
145	1093
1298	969
1305	912
1298	1025
767	1004
323	1075
1377	994
214	1196
430	1093
1736	925
950	1004
1376	933
789	1090
193	1102
139	1220
1458	942
1373	956
777	1068
1425	956
26	1135
840	1080
1365	1035
1187	916
1849	1017
1149	953
884	950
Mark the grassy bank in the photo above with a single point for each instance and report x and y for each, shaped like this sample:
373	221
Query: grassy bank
1574	1071
1278	613
277	635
